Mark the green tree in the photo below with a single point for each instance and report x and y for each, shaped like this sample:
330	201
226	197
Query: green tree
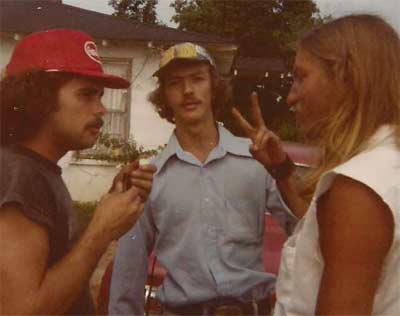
262	29
139	10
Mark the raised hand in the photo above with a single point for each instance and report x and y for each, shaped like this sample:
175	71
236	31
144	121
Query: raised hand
266	146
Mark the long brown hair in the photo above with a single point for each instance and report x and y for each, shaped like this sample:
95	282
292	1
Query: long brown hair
26	101
221	90
362	55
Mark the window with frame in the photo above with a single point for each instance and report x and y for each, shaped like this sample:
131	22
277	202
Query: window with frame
117	102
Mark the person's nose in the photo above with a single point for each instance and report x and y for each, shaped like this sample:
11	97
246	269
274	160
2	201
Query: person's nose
100	108
187	87
292	97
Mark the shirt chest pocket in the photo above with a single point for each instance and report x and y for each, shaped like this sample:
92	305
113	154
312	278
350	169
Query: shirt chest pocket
244	220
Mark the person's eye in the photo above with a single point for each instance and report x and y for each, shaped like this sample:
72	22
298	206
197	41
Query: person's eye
172	83
86	95
199	78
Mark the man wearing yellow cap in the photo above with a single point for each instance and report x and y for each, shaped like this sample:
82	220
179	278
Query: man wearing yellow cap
205	215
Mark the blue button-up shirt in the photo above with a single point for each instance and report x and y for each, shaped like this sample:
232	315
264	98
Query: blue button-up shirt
205	222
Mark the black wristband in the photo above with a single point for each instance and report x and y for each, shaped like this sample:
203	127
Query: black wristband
284	170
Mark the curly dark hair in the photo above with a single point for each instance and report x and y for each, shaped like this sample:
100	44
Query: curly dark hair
221	90
26	101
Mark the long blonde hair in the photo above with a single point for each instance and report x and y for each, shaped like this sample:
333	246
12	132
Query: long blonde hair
361	53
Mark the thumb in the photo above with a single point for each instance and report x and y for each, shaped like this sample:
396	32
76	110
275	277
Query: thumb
132	193
119	187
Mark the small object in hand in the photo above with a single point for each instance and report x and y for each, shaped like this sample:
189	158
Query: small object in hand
144	161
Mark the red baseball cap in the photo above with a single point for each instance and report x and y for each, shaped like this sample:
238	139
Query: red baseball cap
61	50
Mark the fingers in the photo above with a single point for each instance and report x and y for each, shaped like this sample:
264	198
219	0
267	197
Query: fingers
127	169
255	110
256	115
123	176
143	187
132	194
143	195
145	172
257	140
119	186
143	177
243	123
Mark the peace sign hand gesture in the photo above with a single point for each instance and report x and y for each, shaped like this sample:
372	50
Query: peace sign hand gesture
266	146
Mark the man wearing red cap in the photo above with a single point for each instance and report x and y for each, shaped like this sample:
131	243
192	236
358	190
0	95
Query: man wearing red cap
50	102
205	214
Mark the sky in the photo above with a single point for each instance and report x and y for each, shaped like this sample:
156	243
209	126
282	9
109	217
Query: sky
389	9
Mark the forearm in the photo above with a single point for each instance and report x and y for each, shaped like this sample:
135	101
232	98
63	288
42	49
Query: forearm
292	197
63	283
34	287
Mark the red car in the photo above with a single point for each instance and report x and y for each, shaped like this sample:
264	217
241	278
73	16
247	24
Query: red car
304	157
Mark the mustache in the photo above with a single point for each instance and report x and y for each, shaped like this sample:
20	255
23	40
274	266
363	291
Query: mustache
96	123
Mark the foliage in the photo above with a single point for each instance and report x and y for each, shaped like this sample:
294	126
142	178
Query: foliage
139	10
116	149
259	27
262	29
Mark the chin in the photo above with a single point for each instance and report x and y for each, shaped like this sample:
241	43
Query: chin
85	144
191	119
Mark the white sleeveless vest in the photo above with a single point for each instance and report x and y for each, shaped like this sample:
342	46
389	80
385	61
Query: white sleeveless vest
302	264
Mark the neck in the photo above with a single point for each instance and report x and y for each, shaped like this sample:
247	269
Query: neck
198	139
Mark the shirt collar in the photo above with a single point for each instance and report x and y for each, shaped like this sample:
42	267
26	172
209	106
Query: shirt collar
228	143
235	145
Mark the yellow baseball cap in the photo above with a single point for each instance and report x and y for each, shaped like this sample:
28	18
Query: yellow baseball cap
183	51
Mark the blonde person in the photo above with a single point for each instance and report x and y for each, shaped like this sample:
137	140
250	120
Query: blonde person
343	258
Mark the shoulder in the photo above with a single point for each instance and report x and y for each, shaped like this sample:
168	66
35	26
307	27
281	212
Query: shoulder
353	204
21	173
352	216
377	169
24	184
352	197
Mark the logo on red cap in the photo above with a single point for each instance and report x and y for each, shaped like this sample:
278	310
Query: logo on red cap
91	51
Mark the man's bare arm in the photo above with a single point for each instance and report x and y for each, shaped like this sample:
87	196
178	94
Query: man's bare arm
28	285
